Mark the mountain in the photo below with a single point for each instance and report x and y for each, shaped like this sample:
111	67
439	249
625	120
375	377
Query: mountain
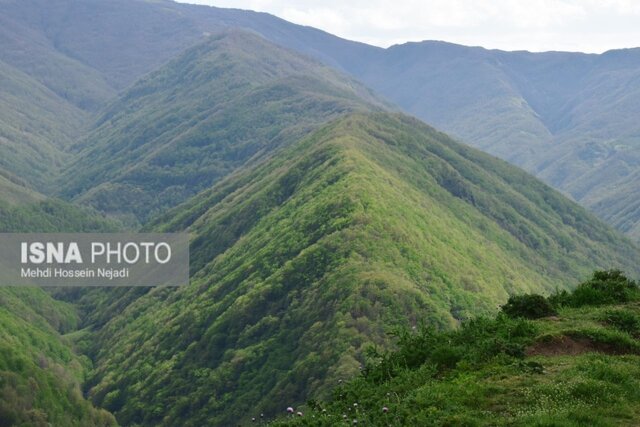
104	46
464	91
573	363
568	118
62	61
40	370
232	98
28	43
300	262
35	127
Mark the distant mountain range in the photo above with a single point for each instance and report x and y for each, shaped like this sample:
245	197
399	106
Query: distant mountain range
568	118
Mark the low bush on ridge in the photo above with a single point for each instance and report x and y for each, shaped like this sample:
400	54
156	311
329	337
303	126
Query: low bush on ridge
604	288
531	306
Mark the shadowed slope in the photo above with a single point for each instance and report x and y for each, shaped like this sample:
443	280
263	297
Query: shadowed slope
231	98
40	372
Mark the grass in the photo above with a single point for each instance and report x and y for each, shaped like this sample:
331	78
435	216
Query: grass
593	382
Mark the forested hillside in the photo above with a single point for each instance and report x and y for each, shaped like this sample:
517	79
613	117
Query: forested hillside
35	127
40	370
299	263
230	99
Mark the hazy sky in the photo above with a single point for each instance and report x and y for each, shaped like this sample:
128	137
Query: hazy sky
576	25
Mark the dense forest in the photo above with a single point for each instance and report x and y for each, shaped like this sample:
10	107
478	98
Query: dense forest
302	261
41	369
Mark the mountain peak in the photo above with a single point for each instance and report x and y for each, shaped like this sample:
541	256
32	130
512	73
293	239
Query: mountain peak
229	99
297	263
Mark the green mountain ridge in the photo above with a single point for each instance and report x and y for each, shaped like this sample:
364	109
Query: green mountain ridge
232	98
300	262
568	118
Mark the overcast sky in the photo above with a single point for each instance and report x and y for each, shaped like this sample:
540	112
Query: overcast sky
536	25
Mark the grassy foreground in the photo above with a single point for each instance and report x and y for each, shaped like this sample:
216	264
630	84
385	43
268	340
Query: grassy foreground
568	360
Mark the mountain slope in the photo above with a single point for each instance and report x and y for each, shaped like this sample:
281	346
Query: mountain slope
568	118
40	372
119	41
301	262
221	103
27	43
14	193
463	91
23	210
35	126
81	53
574	364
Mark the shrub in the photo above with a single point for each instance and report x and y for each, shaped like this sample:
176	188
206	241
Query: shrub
532	306
605	287
560	299
623	320
446	357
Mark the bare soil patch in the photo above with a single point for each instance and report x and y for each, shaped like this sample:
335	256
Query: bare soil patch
571	346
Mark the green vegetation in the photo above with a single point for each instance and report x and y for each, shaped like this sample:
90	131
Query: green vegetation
319	236
580	367
605	287
14	193
40	374
223	102
299	263
35	126
530	306
51	216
